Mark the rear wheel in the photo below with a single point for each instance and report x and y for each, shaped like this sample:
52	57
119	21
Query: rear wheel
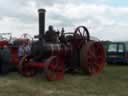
92	57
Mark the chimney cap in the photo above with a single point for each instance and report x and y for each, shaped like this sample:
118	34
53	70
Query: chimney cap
41	10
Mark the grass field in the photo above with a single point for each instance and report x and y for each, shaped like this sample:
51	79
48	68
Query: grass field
113	81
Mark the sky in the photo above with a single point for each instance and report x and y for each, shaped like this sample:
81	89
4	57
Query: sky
105	19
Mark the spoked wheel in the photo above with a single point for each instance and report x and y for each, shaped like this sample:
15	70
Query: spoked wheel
81	35
25	69
54	68
92	58
83	32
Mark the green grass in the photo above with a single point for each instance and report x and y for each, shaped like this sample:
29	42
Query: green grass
113	81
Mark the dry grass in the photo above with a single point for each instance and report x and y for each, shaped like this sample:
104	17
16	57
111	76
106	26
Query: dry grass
112	82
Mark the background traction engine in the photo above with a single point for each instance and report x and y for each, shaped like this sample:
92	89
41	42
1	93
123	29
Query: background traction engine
73	52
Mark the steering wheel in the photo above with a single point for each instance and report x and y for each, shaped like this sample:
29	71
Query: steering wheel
83	32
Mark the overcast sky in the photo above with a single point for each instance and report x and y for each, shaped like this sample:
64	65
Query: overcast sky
105	19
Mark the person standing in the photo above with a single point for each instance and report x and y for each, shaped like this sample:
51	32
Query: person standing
24	49
5	60
51	35
21	51
27	48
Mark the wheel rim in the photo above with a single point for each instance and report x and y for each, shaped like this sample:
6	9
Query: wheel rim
54	68
92	58
25	69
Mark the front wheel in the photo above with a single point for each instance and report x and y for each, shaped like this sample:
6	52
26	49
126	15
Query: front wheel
25	67
54	68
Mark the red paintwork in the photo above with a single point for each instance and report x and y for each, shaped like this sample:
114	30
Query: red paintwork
3	42
37	65
14	53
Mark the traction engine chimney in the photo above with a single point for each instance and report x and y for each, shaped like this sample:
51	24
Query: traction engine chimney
41	13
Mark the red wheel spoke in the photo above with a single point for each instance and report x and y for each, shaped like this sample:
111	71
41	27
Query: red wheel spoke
91	54
91	69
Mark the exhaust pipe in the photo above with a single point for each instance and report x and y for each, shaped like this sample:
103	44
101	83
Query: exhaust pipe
41	13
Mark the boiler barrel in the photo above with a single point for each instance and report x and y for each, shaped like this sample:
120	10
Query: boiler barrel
40	52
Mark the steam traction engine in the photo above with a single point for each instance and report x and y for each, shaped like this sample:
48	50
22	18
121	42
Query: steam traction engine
73	51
